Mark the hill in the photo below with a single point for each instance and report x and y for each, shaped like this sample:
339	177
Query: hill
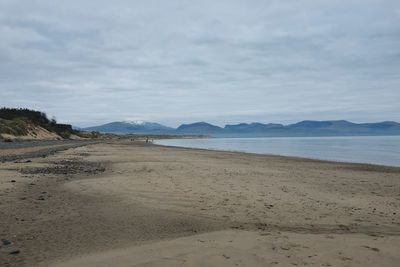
256	129
199	128
303	128
252	127
343	128
31	124
129	127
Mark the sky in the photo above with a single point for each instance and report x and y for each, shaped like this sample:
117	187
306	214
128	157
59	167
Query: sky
222	61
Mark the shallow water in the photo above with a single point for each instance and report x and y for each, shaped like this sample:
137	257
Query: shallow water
383	150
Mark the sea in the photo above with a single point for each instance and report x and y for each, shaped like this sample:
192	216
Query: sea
382	150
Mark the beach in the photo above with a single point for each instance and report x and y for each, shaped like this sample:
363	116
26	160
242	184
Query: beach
124	203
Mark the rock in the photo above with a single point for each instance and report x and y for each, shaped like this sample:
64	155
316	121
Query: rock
41	198
12	181
15	252
5	242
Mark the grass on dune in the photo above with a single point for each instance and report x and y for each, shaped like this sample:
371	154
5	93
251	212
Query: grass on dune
16	127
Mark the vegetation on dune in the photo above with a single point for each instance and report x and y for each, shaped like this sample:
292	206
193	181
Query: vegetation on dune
17	127
36	117
18	122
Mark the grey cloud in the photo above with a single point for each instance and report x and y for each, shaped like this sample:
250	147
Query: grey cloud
89	62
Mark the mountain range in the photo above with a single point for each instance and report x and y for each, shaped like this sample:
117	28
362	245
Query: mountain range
255	129
130	127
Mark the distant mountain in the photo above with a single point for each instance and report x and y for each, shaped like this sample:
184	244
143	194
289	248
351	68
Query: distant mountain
129	127
311	124
148	125
199	128
252	127
255	129
310	128
342	127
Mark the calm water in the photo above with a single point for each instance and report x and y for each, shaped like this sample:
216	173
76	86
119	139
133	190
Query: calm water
383	150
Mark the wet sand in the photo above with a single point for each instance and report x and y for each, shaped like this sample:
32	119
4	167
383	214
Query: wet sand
132	204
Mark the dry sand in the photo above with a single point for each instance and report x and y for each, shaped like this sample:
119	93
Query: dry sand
132	204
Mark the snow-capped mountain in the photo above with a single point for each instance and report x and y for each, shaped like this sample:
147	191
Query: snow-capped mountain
129	127
137	122
148	125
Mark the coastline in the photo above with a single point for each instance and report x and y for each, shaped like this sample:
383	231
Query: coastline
336	149
372	165
126	200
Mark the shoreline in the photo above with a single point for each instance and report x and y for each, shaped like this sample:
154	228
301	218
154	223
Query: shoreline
284	156
131	203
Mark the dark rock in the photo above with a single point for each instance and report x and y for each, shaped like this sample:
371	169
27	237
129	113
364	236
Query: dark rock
41	198
15	252
12	181
5	242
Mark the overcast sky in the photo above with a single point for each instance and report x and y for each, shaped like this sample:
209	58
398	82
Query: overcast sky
173	62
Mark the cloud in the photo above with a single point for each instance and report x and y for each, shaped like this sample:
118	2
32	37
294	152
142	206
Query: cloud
89	62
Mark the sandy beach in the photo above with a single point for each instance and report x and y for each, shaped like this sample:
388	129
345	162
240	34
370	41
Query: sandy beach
124	203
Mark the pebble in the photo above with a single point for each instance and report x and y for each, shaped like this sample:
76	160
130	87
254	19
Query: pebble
15	252
5	242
